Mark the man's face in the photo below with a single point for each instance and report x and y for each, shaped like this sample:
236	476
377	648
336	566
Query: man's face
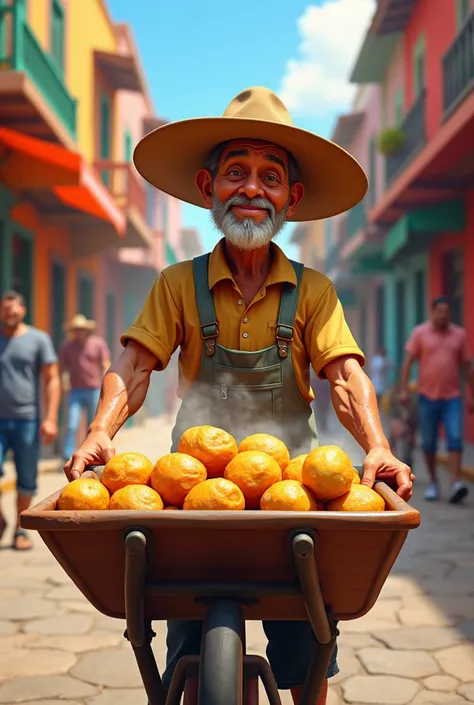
441	315
79	334
251	193
12	313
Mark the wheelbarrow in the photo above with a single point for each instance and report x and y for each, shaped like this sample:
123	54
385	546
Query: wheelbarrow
226	568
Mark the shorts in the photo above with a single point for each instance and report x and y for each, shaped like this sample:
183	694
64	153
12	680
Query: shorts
22	437
289	651
432	413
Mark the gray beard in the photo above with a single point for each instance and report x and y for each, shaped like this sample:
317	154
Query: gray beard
246	234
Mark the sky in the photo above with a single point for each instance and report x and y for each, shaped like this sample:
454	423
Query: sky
198	54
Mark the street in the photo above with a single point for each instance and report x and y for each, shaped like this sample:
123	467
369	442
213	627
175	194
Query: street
414	648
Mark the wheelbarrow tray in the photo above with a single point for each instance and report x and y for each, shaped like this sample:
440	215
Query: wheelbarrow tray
245	553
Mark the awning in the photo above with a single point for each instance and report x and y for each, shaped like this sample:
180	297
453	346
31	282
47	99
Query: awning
120	70
27	162
346	128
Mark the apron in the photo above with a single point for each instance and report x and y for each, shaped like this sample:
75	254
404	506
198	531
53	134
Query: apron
247	392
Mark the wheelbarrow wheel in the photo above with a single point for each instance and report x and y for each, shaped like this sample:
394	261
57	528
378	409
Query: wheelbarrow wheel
221	664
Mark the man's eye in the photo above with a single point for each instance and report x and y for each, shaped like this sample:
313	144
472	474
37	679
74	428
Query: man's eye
234	172
271	177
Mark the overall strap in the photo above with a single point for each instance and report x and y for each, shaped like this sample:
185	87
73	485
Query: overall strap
286	315
205	303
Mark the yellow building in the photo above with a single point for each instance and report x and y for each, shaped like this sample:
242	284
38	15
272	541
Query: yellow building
310	237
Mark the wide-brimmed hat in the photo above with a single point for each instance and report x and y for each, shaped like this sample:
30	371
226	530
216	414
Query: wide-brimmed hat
170	156
80	322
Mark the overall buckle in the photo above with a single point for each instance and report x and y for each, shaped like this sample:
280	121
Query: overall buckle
209	333
284	336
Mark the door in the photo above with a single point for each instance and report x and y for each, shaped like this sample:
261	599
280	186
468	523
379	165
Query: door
400	322
110	318
420	296
453	283
105	136
85	296
58	301
22	269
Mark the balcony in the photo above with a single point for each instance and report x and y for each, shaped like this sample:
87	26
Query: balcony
414	128
458	67
33	93
129	194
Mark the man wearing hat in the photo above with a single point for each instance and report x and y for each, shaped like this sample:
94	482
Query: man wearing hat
83	359
248	321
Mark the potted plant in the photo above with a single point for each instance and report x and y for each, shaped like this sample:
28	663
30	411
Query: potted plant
390	140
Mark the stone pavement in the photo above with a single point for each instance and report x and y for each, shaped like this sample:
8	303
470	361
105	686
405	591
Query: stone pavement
415	647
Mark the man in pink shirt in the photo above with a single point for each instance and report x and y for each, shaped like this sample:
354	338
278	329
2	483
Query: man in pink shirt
84	357
441	349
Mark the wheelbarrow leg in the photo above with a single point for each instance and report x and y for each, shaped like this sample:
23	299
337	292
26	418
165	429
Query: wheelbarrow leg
303	546
139	633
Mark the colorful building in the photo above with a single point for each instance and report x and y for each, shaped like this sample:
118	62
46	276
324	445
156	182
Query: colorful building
417	60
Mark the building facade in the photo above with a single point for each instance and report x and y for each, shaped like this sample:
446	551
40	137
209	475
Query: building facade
417	63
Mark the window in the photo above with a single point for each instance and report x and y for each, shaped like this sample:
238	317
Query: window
57	32
57	301
463	10
128	146
420	296
372	169
419	66
85	296
22	269
398	108
104	137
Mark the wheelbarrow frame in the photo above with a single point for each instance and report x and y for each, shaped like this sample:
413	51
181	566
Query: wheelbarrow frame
224	602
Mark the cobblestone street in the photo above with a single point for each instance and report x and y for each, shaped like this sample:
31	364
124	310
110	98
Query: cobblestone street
416	646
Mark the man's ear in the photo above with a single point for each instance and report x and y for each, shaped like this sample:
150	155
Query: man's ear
204	185
296	196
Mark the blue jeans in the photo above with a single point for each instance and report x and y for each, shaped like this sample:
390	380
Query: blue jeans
22	438
289	651
448	412
79	399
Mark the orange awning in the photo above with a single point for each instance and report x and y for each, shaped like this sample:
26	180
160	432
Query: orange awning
28	162
32	164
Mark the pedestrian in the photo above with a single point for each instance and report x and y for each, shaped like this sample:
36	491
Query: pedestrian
248	321
84	358
380	368
441	350
27	363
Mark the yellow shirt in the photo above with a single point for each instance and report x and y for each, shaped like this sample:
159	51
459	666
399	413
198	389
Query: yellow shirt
170	318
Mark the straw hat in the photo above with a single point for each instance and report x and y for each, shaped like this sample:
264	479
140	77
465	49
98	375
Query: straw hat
80	322
170	156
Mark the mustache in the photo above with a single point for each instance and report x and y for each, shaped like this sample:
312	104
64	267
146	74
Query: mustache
251	202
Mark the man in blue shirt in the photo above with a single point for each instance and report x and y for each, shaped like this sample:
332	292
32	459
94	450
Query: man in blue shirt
27	360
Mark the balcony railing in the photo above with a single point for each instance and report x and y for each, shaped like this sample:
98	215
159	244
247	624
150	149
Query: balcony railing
123	184
20	51
458	66
414	129
356	219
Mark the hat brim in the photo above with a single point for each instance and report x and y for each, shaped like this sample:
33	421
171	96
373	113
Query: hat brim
170	157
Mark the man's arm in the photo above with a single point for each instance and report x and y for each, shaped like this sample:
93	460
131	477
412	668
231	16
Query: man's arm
355	403
123	392
410	358
52	390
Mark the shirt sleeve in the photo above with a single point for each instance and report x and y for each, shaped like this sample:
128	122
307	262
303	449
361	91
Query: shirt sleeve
466	356
327	335
412	346
46	352
159	327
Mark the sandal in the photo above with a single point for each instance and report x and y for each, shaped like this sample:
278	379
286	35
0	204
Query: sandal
24	544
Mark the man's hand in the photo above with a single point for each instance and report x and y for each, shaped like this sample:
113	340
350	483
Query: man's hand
97	449
381	464
48	430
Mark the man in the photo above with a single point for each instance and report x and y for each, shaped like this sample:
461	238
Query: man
84	358
247	320
442	352
27	358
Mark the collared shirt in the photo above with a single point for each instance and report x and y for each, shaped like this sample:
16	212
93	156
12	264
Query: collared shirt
85	362
441	354
170	318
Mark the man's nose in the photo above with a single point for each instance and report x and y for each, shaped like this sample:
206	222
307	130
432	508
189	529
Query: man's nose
252	187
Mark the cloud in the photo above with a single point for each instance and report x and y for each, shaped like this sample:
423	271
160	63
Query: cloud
316	83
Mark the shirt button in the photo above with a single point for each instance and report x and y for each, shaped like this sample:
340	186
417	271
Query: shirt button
246	320
245	335
240	302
